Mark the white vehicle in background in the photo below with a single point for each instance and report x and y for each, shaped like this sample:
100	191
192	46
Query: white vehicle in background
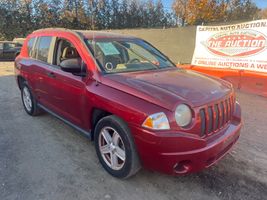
19	40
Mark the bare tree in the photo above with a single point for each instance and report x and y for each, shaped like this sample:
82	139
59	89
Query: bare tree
263	14
180	9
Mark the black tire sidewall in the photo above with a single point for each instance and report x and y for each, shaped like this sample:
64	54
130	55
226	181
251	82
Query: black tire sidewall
126	169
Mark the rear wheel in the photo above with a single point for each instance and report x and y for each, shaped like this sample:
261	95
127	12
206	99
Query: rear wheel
115	147
28	100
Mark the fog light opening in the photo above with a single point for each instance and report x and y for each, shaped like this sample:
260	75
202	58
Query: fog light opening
182	167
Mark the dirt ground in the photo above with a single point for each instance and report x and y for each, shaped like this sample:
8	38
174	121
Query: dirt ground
43	158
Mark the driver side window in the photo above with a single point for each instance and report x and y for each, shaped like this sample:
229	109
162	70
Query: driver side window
64	50
67	58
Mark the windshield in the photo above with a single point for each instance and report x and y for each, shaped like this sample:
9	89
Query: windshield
125	55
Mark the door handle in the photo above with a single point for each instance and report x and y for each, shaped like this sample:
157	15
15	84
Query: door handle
51	74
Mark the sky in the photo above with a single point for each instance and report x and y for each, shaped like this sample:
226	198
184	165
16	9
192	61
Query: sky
259	3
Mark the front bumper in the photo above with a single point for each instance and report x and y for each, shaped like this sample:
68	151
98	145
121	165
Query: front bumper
178	153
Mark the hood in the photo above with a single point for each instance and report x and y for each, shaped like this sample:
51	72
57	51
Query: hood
167	88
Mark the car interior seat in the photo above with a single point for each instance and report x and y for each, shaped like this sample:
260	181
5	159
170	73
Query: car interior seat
68	53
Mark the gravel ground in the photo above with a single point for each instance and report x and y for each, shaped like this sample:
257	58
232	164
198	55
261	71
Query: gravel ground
43	158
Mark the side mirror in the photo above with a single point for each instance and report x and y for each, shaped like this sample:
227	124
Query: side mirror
72	65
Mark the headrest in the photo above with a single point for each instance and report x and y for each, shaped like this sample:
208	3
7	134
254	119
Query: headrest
69	52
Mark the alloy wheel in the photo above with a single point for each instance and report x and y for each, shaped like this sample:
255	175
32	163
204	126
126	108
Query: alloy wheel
112	148
27	99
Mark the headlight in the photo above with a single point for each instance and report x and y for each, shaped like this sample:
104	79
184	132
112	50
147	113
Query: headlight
183	115
158	121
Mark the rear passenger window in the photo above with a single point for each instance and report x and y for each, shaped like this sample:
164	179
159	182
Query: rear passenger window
30	47
43	48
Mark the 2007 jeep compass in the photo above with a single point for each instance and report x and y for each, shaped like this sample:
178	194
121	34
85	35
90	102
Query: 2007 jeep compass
137	106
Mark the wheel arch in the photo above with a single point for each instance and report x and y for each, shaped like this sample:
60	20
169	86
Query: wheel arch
20	80
96	115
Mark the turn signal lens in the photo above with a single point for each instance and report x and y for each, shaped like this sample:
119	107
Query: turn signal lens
158	121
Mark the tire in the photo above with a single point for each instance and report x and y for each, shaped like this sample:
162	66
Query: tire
120	140
28	100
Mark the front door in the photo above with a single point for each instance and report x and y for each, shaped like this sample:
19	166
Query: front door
67	91
68	97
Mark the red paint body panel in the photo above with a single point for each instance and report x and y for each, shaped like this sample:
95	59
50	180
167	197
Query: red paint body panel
162	151
133	96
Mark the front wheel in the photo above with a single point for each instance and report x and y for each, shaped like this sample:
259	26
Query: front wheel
115	147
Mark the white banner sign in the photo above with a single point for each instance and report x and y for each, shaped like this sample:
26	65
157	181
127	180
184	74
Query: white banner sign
239	46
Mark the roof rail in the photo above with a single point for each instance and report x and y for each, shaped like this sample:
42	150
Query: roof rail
80	33
60	29
53	29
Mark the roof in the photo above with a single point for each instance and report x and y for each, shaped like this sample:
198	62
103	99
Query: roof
88	33
101	34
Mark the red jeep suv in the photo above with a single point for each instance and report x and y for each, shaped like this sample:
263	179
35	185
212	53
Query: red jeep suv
123	93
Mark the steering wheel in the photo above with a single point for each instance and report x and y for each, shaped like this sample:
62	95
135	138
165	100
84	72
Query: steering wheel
134	60
109	66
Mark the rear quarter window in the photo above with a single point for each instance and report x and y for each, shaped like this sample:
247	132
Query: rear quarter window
43	48
30	47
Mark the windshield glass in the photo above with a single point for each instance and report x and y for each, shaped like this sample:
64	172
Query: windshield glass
125	55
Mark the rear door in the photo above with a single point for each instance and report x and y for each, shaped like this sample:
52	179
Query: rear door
42	70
